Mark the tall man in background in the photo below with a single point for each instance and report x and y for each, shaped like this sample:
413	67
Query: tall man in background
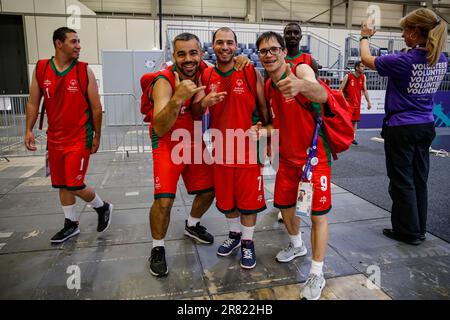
74	113
351	87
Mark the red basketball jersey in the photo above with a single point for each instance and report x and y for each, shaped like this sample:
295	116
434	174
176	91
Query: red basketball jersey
66	105
296	127
237	112
352	90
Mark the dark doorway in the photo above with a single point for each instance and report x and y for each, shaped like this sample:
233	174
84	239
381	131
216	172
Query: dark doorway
13	61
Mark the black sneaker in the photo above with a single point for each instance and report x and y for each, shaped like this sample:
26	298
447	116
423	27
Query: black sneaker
158	266
355	142
199	233
104	216
70	230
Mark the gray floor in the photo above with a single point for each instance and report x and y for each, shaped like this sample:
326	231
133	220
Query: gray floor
113	265
362	171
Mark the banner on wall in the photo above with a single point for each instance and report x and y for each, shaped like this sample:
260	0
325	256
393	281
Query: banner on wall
441	109
377	100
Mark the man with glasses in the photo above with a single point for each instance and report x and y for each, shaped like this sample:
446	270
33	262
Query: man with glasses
289	92
233	98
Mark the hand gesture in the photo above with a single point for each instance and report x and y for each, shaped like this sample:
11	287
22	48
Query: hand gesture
241	62
368	27
213	98
289	86
30	143
185	89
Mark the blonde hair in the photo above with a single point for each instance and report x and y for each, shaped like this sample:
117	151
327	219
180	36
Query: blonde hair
431	27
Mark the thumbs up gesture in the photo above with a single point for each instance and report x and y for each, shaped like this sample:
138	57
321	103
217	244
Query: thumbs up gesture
185	89
289	86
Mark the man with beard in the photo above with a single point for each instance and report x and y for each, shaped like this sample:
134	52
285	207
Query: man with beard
300	138
351	87
292	37
172	93
238	181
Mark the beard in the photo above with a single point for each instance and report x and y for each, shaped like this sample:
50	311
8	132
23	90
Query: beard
188	73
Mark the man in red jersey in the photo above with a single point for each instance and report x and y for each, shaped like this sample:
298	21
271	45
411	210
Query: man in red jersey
172	93
351	87
297	128
292	36
74	114
238	181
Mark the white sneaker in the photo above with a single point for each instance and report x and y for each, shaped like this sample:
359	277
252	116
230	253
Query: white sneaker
291	252
313	287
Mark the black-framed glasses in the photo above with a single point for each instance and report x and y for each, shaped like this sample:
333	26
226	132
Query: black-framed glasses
273	51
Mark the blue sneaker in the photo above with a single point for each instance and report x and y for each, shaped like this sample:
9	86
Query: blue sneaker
233	242
248	259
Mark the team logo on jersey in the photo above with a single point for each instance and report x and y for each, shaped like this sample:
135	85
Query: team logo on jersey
79	177
47	83
157	184
239	88
323	199
73	86
260	198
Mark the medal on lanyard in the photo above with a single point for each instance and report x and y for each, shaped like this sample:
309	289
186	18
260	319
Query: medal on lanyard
305	187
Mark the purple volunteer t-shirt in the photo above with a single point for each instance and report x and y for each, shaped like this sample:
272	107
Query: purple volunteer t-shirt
411	86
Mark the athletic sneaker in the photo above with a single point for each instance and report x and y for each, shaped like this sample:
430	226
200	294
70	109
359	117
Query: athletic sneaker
291	252
313	287
70	230
280	217
104	216
233	242
199	233
355	142
248	259
158	265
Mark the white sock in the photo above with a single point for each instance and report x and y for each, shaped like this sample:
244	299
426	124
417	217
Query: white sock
296	240
192	221
70	213
234	224
316	267
247	232
97	202
158	243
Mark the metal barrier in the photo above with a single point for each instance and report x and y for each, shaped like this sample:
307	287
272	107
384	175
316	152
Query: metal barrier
327	53
374	81
334	78
117	135
393	44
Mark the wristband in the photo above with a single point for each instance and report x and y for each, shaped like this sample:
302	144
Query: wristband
364	37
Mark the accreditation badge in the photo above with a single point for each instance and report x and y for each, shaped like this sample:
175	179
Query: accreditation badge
304	199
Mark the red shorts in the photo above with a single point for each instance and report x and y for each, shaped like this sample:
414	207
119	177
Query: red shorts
355	113
68	167
286	188
240	188
198	178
